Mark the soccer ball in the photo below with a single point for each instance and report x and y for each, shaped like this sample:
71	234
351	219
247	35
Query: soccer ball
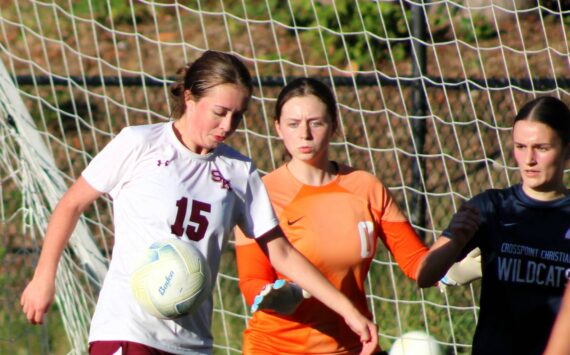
172	279
416	343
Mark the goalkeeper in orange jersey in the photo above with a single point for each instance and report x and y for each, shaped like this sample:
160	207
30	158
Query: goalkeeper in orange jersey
334	215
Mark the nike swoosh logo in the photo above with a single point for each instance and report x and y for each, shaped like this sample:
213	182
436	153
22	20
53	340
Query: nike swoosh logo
291	222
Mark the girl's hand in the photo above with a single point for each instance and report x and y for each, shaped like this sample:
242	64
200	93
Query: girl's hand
367	331
36	299
371	346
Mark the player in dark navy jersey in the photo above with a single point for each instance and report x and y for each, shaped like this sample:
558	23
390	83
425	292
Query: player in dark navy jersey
524	235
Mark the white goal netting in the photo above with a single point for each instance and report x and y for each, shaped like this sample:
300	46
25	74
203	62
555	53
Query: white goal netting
426	90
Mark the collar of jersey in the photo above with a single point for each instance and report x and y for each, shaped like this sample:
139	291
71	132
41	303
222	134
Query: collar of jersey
334	181
183	150
527	200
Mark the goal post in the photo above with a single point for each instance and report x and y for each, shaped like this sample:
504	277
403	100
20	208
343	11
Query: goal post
41	185
426	94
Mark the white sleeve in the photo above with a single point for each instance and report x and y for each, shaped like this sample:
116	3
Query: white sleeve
258	216
105	172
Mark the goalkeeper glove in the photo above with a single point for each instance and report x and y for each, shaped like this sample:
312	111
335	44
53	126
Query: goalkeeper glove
281	296
464	271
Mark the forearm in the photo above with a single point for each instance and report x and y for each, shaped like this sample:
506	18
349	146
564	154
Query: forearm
558	342
444	252
60	227
289	262
62	223
441	256
38	295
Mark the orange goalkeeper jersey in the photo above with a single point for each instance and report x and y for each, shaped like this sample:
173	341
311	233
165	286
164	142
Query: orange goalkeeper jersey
336	226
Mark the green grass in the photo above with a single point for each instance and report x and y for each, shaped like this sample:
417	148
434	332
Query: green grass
399	306
17	336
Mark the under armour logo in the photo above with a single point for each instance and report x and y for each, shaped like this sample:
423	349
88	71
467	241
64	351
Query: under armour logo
165	162
218	177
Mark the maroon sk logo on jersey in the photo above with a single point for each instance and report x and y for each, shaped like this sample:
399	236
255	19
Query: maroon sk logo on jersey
218	177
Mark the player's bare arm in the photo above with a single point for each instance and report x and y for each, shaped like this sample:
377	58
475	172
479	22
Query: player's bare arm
558	343
289	262
447	248
39	294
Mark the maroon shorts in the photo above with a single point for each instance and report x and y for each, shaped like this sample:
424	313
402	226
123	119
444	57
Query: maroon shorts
110	347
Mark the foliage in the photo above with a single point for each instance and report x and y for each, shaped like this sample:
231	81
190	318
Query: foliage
467	27
383	24
120	11
348	32
477	28
334	30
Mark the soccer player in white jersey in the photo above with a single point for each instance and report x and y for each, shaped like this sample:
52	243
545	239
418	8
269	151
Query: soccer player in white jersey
523	233
177	180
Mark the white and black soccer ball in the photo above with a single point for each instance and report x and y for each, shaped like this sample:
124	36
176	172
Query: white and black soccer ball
416	343
172	279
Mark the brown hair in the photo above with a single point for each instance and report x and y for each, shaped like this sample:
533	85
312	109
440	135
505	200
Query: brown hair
550	111
305	87
211	69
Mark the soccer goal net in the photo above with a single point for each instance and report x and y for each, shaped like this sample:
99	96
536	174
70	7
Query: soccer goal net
426	93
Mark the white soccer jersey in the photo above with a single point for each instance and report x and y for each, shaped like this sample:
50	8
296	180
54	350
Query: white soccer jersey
161	189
